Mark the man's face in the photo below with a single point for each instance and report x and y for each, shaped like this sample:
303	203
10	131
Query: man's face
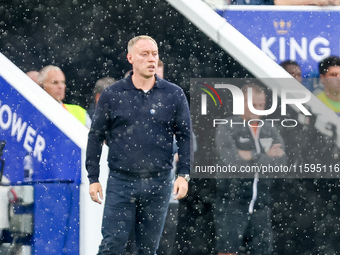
54	85
259	103
294	71
331	79
144	58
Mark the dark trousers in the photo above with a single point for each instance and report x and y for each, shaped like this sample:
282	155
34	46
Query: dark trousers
142	201
237	231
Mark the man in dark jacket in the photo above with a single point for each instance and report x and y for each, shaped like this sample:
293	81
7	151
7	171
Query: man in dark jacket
138	117
242	213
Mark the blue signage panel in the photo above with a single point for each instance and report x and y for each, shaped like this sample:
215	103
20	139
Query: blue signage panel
36	150
304	36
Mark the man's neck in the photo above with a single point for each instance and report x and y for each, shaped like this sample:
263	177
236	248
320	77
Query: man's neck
143	83
332	95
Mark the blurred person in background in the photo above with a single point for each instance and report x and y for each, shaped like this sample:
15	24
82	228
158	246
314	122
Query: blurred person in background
243	2
308	2
243	205
34	76
160	69
100	85
138	117
329	69
293	68
127	73
52	80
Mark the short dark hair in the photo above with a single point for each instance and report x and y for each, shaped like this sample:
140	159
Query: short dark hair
286	63
325	64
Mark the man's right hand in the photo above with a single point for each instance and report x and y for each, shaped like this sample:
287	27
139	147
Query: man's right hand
245	155
95	190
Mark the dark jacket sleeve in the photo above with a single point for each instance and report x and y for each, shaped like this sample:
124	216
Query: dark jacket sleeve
98	133
264	159
183	133
226	147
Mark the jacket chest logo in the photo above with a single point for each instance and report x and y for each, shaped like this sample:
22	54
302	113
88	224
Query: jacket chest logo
244	139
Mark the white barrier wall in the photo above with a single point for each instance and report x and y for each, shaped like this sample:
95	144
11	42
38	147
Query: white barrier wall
90	213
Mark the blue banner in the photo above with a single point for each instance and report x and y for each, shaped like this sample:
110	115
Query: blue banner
36	150
303	36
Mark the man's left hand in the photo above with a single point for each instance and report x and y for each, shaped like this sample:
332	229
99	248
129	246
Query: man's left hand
276	151
180	188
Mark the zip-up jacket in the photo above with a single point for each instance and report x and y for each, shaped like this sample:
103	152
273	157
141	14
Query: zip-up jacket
238	137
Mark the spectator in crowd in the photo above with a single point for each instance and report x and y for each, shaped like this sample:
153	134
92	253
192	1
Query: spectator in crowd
137	118
251	2
52	80
329	69
243	208
293	68
100	85
308	2
127	73
33	75
160	69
